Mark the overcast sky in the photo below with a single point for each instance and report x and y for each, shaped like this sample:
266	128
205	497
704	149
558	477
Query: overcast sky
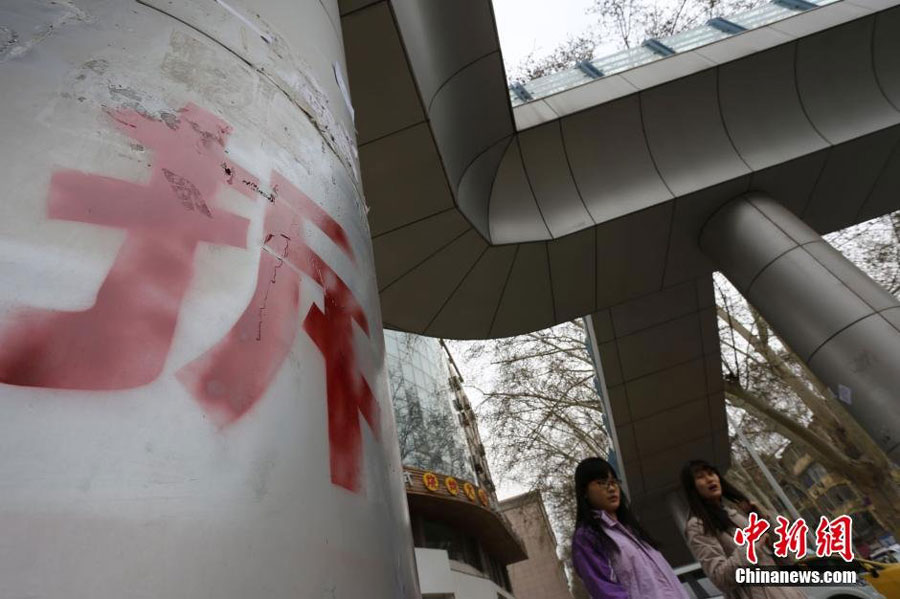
538	25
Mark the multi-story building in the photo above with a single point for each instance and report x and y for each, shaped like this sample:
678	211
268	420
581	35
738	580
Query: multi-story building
469	426
542	575
463	542
816	491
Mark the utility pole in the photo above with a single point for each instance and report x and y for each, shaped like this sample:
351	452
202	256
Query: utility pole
767	474
795	515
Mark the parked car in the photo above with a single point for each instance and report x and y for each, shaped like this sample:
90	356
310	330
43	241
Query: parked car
698	586
885	577
886	555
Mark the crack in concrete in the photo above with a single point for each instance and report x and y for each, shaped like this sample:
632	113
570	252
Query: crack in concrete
326	132
272	281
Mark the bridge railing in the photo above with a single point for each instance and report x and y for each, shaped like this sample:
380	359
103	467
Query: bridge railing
656	49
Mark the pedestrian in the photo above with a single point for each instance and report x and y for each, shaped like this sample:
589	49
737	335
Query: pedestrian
717	509
613	555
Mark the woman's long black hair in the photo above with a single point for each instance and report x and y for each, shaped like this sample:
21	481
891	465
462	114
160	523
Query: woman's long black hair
587	471
713	515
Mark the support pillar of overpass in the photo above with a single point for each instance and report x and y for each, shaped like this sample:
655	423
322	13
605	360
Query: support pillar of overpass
193	396
678	509
840	322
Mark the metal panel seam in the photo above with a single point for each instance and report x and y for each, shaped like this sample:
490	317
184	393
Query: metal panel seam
811	356
722	118
702	356
424	260
491	188
662	282
562	137
703	348
812	192
512	265
550	279
874	69
849	288
412	222
640	97
531	187
796	45
455	73
884	168
455	289
394	132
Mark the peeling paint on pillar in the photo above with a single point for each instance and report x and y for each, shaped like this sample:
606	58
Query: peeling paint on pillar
193	399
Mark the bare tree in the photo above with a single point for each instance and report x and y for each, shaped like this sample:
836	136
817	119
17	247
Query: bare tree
630	22
565	56
623	24
874	246
765	378
541	411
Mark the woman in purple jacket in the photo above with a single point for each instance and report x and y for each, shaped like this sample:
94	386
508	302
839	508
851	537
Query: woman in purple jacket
612	554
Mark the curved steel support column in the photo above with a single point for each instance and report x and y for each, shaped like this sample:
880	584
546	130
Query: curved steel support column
839	321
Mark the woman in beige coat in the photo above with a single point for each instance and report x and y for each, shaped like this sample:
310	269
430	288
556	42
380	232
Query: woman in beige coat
717	510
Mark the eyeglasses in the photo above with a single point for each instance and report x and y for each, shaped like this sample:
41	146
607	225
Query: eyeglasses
610	483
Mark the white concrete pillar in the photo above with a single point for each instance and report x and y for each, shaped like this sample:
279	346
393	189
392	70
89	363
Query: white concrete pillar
193	400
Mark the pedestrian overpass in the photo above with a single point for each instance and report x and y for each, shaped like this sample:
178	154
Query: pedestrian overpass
609	190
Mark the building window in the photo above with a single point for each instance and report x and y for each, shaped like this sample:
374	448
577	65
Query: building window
841	494
459	547
791	456
813	475
472	554
498	573
811	517
431	437
864	524
794	494
439	536
827	504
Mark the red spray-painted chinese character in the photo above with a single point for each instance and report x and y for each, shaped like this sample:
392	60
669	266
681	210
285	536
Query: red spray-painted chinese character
790	538
756	528
835	537
231	377
122	341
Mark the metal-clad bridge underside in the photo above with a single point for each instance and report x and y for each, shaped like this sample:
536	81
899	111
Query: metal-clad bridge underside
489	221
